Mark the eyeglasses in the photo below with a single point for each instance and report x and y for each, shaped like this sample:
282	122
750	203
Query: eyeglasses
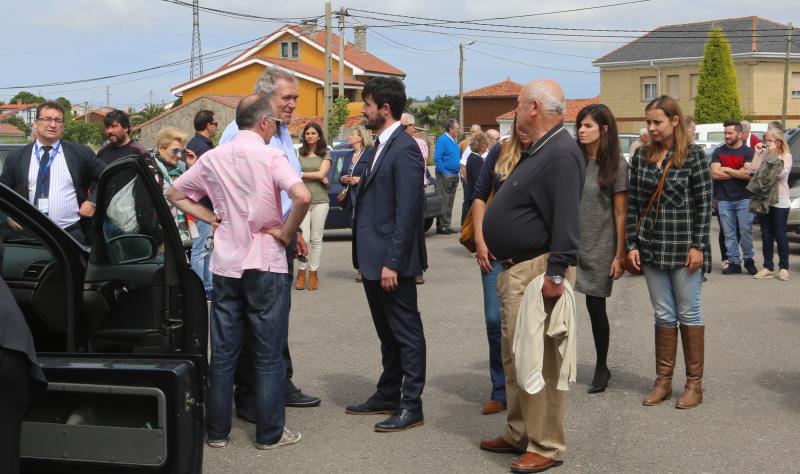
178	151
49	120
277	121
214	123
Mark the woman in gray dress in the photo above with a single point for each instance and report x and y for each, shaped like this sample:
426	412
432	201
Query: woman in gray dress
603	210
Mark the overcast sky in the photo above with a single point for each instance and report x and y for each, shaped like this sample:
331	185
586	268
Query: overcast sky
51	41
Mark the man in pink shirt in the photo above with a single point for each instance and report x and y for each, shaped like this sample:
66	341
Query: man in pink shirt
243	179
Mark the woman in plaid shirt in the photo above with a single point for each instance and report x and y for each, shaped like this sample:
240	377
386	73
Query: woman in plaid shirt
670	244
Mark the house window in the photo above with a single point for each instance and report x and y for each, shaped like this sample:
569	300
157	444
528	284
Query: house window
693	85
649	88
290	49
674	86
796	85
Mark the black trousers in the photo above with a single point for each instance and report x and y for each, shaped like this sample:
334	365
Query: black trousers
245	376
399	327
14	403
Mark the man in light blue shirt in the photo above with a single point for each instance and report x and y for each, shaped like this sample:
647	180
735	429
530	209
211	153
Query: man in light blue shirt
281	88
447	158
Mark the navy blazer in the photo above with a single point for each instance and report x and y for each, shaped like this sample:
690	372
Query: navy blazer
388	218
83	165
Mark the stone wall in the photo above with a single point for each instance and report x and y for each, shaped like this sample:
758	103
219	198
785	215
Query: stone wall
183	118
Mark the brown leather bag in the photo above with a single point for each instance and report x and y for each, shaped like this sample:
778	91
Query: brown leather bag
654	199
467	235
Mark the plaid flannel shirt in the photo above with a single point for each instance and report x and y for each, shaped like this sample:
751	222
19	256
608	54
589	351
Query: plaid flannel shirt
683	217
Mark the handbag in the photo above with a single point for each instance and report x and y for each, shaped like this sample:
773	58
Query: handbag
342	196
467	235
654	199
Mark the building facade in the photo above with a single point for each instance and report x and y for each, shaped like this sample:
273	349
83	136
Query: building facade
667	61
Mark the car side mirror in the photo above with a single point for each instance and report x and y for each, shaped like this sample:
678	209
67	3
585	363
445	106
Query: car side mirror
131	248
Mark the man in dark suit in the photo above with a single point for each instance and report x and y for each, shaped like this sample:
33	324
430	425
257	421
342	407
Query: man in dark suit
57	176
389	249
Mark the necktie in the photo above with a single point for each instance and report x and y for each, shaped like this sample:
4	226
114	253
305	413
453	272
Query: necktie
372	156
43	178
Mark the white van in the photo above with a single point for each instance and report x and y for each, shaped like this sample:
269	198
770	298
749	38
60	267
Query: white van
715	132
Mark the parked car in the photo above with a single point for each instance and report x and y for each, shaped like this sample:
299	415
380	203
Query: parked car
715	132
339	219
793	140
625	142
793	222
5	149
120	329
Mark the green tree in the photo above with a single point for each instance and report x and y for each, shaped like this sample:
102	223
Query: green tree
66	104
717	95
434	114
177	101
82	132
150	111
26	98
19	123
339	114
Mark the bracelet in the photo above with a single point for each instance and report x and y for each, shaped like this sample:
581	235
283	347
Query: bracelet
618	258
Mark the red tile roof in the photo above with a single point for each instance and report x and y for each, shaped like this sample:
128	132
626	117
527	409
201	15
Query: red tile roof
507	88
8	130
307	70
573	107
16	107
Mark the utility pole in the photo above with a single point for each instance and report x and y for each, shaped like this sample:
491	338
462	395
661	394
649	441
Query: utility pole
108	96
328	91
86	112
196	69
341	52
461	83
786	76
151	97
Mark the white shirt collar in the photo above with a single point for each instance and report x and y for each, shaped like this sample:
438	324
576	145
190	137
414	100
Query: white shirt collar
384	136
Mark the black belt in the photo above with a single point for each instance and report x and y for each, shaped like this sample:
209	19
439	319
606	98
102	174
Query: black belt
508	263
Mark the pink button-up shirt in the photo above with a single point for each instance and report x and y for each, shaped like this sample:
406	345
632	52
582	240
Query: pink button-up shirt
243	179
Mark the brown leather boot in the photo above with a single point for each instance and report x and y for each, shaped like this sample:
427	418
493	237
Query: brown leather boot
313	280
666	350
300	284
693	340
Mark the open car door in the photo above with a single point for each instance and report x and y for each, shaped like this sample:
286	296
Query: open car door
121	332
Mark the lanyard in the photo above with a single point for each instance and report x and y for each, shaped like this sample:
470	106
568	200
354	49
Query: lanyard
45	169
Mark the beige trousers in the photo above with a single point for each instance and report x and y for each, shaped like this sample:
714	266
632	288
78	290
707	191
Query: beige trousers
533	422
313	227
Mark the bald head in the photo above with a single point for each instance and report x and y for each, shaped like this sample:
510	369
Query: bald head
474	128
493	134
548	94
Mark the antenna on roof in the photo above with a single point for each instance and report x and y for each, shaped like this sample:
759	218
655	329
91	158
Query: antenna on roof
196	69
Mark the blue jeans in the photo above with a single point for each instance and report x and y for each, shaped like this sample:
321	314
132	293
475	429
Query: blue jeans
255	302
773	229
201	253
731	213
675	296
491	310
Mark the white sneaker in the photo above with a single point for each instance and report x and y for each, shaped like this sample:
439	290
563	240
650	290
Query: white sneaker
763	273
783	275
286	439
217	443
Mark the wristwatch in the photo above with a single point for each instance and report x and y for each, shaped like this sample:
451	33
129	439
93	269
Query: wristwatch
556	279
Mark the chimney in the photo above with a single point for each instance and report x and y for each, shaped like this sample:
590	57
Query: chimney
309	27
360	36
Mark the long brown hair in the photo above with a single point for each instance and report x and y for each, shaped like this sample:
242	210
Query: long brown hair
608	151
322	146
680	137
510	154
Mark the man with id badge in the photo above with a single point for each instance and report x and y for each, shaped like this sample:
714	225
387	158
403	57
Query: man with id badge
56	176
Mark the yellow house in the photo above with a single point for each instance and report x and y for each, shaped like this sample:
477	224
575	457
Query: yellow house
299	49
667	61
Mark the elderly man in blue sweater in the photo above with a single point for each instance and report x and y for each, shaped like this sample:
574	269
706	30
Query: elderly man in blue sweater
447	160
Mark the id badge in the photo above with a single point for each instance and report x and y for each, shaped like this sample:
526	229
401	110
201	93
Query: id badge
44	205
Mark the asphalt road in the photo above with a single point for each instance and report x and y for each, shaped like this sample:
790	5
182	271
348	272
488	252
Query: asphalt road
749	421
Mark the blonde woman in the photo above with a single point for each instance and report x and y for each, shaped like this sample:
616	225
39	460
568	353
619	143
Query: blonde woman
773	224
360	139
168	161
315	163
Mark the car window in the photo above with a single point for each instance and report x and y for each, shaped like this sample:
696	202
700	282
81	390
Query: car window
340	163
131	228
715	137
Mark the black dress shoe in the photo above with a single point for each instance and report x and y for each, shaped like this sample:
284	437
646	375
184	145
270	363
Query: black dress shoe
600	381
299	399
371	408
442	231
401	420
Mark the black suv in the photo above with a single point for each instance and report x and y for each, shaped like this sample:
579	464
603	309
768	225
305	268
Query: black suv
120	329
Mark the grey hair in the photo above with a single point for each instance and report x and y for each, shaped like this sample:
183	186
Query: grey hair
551	104
267	82
251	110
643	132
410	120
745	125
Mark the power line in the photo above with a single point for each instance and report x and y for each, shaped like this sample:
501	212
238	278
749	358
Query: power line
492	55
243	16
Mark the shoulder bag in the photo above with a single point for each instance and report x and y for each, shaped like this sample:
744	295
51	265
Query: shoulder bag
654	199
342	196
